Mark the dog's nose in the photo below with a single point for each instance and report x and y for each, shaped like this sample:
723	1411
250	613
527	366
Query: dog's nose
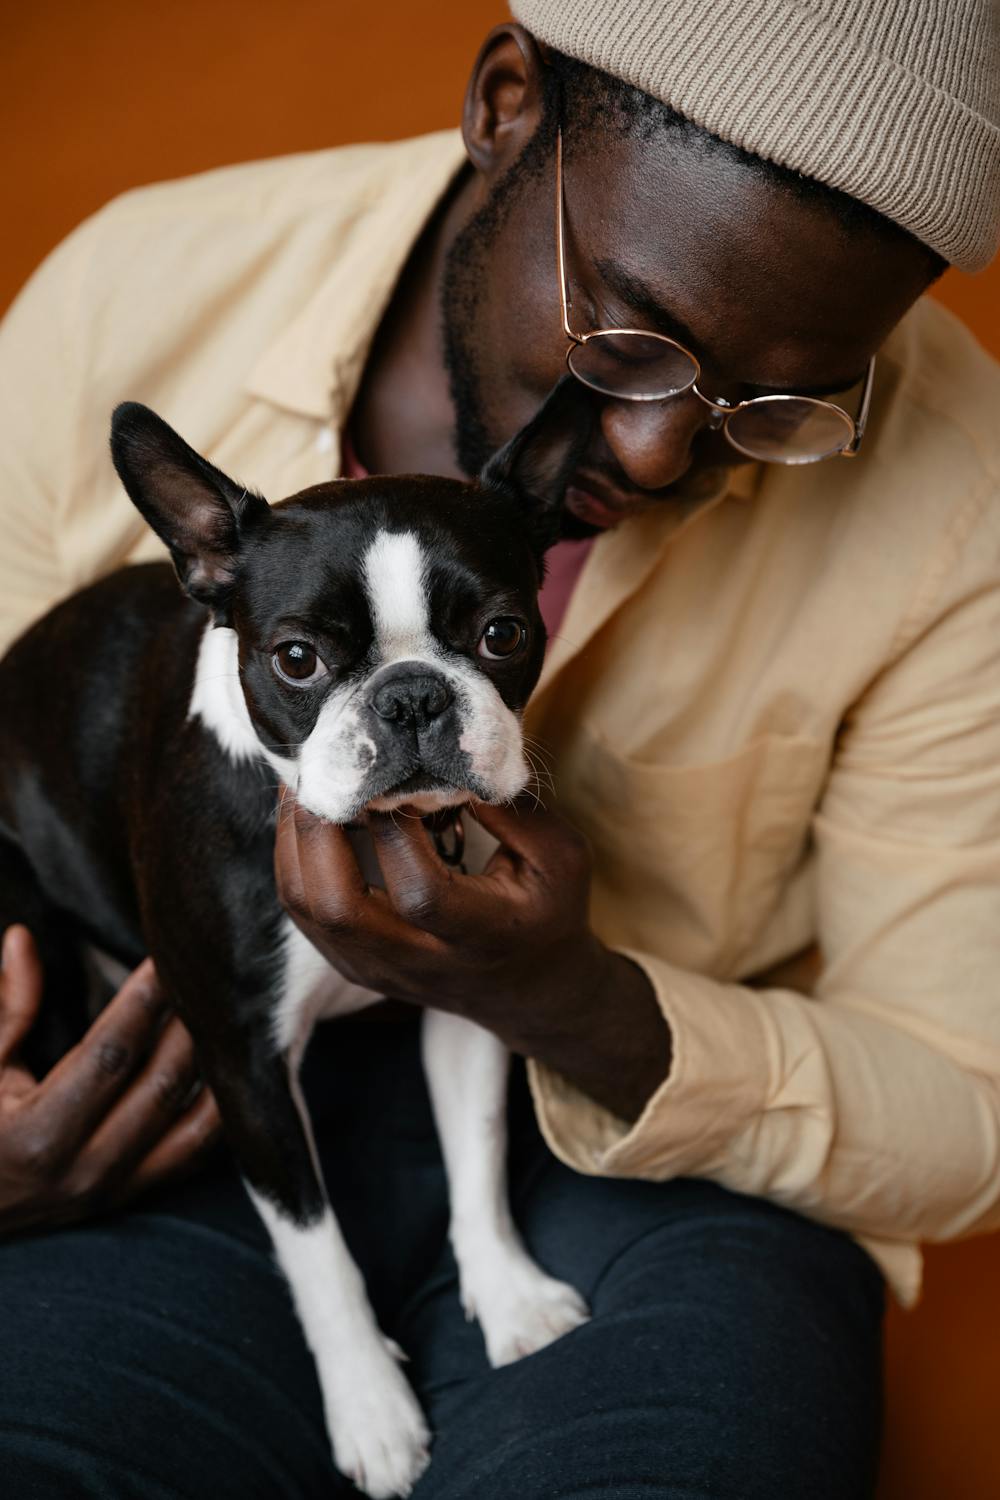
414	699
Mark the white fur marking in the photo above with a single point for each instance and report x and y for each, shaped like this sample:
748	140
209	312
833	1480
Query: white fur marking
520	1308
217	700
376	1427
396	576
491	737
312	990
396	584
336	759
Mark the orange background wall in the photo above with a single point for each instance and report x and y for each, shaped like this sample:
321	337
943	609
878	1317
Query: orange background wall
102	95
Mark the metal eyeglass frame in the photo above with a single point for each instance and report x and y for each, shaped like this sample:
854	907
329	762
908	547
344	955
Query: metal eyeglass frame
721	410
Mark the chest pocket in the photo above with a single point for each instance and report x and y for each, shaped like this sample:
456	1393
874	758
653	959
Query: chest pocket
692	861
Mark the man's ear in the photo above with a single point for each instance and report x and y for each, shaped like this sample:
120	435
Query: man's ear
504	98
198	511
538	462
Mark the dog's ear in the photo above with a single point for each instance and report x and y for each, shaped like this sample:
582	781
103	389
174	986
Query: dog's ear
539	461
199	512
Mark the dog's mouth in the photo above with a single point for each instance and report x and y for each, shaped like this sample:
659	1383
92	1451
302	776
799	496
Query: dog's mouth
423	791
421	781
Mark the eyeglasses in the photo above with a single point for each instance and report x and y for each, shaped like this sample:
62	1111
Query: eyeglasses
633	364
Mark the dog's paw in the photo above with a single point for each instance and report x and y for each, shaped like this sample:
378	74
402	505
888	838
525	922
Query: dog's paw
520	1309
379	1436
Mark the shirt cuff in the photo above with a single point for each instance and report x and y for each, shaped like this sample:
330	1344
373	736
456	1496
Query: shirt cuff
719	1080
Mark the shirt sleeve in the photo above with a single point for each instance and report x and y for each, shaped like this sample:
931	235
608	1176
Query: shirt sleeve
874	1103
40	386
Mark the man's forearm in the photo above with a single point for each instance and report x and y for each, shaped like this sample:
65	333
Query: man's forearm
613	1042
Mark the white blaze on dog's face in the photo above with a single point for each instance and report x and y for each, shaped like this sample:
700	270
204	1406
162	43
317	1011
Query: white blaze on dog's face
385	638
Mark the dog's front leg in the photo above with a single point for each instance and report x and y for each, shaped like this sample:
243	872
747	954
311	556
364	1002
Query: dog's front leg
376	1427
519	1308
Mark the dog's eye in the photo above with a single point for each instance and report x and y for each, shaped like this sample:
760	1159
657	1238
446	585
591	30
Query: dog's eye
502	638
297	662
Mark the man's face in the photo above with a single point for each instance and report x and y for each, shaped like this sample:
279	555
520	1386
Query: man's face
768	291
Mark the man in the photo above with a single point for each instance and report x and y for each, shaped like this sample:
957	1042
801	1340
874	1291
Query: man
772	707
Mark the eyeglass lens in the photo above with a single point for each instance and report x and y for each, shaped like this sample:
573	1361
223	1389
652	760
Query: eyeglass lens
647	367
789	429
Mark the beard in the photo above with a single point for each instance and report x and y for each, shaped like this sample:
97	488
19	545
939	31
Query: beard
465	275
461	301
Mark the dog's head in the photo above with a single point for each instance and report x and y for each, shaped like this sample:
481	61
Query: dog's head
375	640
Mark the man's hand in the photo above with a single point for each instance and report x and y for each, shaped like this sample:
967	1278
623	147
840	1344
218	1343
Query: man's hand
510	949
113	1117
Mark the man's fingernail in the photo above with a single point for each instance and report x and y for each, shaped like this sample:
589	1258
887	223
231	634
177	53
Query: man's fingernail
152	996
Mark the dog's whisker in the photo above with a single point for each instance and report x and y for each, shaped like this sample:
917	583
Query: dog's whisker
533	789
540	776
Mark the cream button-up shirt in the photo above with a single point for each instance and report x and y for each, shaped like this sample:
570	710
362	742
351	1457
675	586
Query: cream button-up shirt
777	718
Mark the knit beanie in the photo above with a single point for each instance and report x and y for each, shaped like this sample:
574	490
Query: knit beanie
895	102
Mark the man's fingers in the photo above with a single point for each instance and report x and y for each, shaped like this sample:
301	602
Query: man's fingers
313	857
287	869
537	836
157	1095
417	881
21	984
76	1095
184	1147
431	895
319	880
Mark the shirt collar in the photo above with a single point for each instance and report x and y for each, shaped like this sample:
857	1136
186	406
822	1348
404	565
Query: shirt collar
314	367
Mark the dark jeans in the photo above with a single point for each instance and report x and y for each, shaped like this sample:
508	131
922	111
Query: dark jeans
734	1349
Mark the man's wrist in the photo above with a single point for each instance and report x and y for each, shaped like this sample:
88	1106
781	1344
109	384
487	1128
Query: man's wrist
610	1038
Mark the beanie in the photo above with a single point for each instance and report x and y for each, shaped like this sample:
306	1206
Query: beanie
894	102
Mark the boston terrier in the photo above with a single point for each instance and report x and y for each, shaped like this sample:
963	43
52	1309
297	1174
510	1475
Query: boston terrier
370	644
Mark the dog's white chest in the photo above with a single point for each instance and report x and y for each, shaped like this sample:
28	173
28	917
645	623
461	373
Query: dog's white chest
311	991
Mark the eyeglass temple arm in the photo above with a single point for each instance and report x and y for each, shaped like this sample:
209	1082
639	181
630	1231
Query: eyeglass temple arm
861	420
561	242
